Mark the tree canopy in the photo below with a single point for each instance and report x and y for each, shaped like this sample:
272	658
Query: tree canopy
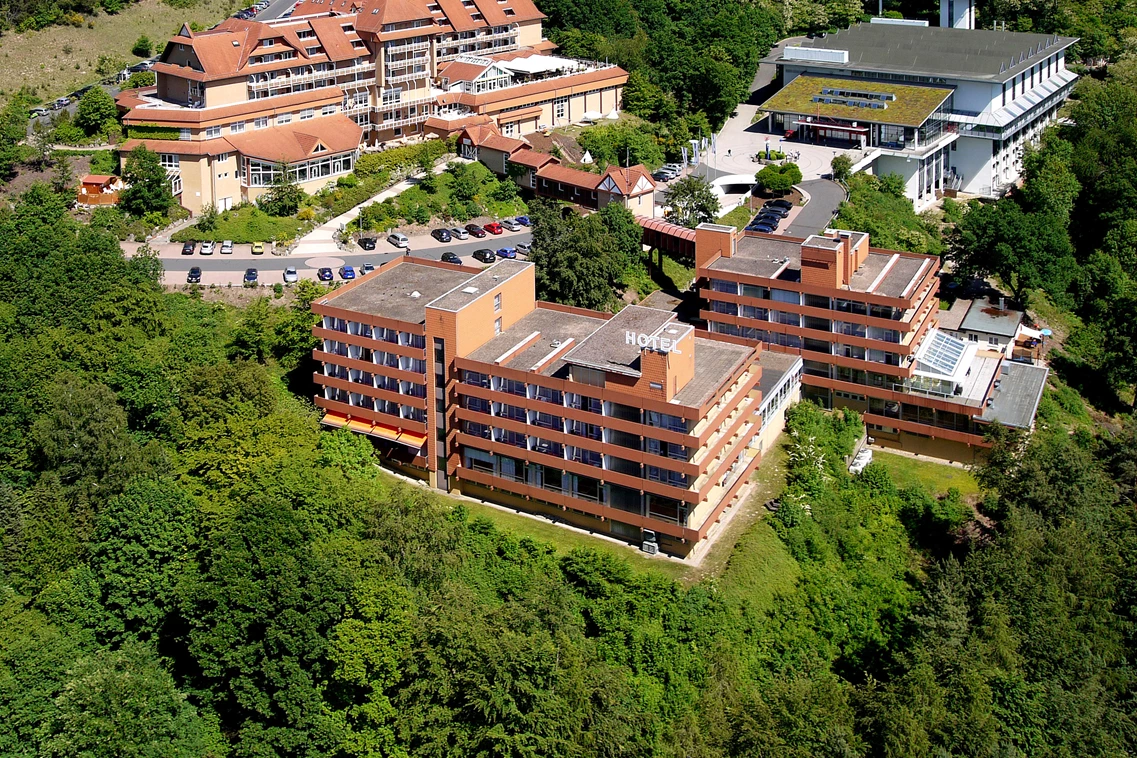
692	202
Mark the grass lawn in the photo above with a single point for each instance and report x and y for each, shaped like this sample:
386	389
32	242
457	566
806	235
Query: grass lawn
567	539
242	226
679	274
935	477
39	59
739	217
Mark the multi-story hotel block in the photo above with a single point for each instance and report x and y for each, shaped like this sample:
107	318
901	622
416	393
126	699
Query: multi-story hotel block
864	321
234	102
625	424
945	108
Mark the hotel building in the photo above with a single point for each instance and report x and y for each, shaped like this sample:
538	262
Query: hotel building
945	108
865	323
234	102
633	424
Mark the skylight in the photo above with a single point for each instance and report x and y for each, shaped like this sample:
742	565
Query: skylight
941	353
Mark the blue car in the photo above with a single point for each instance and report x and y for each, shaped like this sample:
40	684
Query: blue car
523	220
347	272
507	252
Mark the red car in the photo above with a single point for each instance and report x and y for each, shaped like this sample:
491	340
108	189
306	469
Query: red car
493	227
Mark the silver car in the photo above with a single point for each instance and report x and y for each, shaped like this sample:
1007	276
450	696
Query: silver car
290	275
459	233
511	225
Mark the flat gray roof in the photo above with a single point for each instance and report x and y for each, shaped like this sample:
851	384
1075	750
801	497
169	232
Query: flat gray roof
935	51
554	326
390	293
950	319
714	362
479	284
1020	390
761	256
774	368
987	318
893	275
608	350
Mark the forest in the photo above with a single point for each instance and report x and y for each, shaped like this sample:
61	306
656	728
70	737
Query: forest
190	566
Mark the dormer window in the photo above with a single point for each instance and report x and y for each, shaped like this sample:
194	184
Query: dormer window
348	28
268	42
509	12
313	50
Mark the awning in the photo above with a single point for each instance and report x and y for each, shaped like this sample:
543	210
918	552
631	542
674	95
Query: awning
413	440
334	420
359	426
520	115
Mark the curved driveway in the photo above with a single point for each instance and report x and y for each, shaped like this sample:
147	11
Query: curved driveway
824	197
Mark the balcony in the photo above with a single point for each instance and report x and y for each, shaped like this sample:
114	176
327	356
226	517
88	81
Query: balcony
282	79
408	77
352	108
476	40
399	122
396	48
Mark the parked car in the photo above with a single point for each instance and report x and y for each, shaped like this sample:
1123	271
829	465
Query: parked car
475	230
399	240
511	225
785	204
227	247
763	228
258	248
367	268
188	248
207	248
862	459
524	248
485	256
662	176
250	276
290	275
325	274
194	275
347	273
37	112
773	221
774	210
493	227
524	221
367	243
459	233
442	235
62	102
449	257
507	252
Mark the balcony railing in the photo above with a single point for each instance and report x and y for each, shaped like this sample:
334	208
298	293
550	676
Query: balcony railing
397	122
351	108
408	77
288	79
394	48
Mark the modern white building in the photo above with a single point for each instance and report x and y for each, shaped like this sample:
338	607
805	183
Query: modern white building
986	93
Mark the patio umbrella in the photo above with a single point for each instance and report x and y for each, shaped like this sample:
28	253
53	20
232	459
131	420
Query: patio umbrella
613	115
593	115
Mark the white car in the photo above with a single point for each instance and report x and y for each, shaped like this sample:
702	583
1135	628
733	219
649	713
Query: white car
511	225
290	275
524	248
207	248
227	247
399	240
459	233
863	458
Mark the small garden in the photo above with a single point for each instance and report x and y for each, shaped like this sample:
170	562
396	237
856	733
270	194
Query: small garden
244	224
462	192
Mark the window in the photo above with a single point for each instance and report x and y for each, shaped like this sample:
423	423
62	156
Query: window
497	303
328	110
315	50
268	42
284	118
306	114
261	123
560	107
237	127
169	161
184	134
496	326
212	132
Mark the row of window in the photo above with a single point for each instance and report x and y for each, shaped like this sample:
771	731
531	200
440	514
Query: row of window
852	329
259	174
264	122
792	297
383	334
358	400
807	343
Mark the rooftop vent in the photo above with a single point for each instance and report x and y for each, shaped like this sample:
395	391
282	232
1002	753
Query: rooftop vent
556	343
236	43
470	290
416	294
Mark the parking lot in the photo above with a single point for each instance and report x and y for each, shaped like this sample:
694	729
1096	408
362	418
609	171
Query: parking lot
229	269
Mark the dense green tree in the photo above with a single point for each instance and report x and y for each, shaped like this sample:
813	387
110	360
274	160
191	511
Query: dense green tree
778	178
285	195
142	47
96	111
692	202
148	187
577	259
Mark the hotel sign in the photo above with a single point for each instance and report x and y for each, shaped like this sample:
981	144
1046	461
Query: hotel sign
661	344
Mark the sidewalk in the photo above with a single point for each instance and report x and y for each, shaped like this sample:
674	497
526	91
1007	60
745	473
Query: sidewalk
322	241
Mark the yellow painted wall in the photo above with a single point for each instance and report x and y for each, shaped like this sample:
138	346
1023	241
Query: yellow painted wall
228	92
528	33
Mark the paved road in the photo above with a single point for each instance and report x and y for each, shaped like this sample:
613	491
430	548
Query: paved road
277	9
825	196
225	269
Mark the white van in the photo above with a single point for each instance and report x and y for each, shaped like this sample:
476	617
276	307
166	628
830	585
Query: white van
399	240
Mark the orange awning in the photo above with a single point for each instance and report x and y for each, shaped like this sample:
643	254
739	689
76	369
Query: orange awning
413	440
359	426
334	419
381	430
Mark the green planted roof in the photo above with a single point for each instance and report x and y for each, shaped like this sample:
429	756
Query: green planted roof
911	106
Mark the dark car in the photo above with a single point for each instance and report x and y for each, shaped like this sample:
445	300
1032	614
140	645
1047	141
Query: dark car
476	230
774	210
524	221
507	252
188	248
773	221
194	275
493	227
367	243
250	276
763	228
784	204
485	256
449	257
325	274
347	272
442	235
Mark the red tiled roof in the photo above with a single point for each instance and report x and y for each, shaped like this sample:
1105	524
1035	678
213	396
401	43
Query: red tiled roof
545	46
96	179
503	144
573	177
180	147
562	86
454	125
206	116
520	114
297	142
626	179
532	158
666	227
461	71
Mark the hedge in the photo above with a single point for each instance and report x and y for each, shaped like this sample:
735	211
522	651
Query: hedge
153	131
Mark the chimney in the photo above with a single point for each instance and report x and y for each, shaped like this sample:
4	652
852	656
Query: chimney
1002	303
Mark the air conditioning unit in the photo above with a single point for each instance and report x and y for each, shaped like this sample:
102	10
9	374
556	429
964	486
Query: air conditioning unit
651	548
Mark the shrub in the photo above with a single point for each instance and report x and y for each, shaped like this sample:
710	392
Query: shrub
72	18
143	47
